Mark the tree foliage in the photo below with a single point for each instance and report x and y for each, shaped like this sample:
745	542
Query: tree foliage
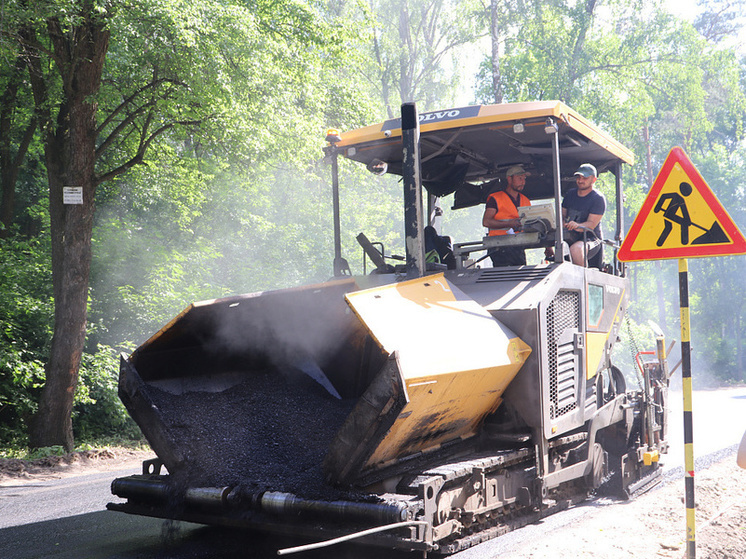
411	47
205	82
204	175
654	81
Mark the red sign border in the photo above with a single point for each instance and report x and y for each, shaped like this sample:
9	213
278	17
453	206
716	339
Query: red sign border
677	155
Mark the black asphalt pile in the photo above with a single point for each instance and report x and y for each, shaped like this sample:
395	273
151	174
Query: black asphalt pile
269	433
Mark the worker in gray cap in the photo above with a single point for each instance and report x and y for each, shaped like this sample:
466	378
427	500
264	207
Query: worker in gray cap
501	216
582	210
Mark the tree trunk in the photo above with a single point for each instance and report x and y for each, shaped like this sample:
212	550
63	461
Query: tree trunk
576	65
741	376
660	292
406	58
10	162
497	89
70	150
661	295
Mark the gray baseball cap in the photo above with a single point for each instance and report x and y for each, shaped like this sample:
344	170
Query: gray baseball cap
586	170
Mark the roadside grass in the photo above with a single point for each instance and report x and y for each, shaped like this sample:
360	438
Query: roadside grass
19	452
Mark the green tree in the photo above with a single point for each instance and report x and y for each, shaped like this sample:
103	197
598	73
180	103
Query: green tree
654	81
18	123
412	44
26	307
202	77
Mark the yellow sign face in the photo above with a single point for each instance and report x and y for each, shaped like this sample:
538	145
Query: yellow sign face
681	218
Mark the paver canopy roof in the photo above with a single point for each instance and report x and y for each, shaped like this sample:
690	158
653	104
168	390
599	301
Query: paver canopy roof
463	148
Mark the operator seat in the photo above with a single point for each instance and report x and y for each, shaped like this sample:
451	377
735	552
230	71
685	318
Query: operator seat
441	245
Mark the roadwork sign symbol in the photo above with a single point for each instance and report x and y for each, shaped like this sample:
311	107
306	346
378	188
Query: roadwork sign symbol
681	218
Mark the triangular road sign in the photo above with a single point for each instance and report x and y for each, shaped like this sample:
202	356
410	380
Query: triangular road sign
681	218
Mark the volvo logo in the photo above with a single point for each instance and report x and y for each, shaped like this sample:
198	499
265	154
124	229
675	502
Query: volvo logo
435	116
440	115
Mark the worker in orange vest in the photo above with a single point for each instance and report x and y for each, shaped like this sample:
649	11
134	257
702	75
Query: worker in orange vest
501	216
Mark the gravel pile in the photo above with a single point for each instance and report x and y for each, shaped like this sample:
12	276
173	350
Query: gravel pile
270	432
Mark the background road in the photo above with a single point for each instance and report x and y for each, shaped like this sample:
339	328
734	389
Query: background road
718	418
66	518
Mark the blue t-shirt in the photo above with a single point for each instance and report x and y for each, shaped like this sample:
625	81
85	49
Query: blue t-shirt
580	207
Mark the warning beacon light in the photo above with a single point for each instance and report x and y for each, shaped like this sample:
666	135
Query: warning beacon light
332	136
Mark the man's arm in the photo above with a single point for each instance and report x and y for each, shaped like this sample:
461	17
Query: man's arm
590	223
489	221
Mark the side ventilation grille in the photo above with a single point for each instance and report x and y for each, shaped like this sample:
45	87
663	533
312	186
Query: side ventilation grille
491	275
562	324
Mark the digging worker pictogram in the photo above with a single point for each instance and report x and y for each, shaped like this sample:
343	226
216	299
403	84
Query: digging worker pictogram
675	212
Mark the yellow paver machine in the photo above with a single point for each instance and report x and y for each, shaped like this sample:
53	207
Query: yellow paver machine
424	406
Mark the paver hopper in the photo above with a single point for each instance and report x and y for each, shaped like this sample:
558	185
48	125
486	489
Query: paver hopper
337	382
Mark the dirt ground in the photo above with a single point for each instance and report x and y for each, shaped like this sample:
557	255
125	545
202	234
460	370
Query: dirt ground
13	470
651	526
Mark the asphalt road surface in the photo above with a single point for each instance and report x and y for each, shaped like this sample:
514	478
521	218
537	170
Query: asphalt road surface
718	421
66	518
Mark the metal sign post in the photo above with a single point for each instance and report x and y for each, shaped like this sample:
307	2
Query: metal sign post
686	378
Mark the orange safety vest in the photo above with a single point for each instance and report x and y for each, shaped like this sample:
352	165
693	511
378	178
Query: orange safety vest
506	208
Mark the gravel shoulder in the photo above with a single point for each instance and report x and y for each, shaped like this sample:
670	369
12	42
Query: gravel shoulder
14	471
653	525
